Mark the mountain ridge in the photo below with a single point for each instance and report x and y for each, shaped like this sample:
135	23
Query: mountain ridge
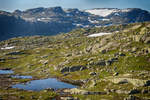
55	20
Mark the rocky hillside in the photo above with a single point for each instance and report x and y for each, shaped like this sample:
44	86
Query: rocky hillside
55	20
107	62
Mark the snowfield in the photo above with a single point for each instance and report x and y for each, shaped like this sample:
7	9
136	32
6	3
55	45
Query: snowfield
105	12
98	34
7	48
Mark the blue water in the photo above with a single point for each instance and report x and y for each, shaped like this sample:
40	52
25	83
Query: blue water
21	77
6	72
37	85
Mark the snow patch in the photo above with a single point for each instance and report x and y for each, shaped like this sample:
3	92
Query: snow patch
102	12
7	48
98	34
105	12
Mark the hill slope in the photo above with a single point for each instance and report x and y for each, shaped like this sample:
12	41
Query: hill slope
116	63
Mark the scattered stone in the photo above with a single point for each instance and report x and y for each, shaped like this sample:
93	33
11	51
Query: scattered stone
93	83
101	63
134	91
49	89
92	73
132	98
33	97
103	51
147	41
144	91
21	97
121	54
67	98
121	92
116	74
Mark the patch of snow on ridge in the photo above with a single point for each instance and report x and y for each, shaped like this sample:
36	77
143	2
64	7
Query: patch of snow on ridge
7	48
98	34
102	12
105	11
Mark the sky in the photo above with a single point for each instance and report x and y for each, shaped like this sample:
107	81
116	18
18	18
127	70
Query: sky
11	5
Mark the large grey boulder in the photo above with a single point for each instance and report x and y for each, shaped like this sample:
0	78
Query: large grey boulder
72	69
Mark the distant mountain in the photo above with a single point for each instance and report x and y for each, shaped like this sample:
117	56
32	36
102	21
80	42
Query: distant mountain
54	20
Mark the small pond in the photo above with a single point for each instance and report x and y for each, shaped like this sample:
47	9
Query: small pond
37	85
6	72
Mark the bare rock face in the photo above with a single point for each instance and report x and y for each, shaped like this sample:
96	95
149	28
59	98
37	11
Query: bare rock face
135	82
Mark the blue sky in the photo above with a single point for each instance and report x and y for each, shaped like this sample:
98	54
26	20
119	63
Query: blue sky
11	5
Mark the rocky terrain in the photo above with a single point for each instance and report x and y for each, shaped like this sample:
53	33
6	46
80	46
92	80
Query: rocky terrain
106	67
56	20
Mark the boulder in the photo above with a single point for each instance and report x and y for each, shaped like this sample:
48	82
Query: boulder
101	63
72	69
76	68
68	98
122	54
119	80
64	69
116	74
92	73
134	91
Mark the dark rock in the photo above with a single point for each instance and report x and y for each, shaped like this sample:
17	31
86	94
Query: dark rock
134	91
114	59
132	98
122	54
103	51
108	63
76	68
144	91
65	69
147	83
22	97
